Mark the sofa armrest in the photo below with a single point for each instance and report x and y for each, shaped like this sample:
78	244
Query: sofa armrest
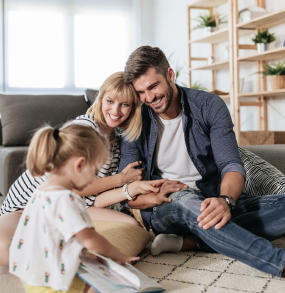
12	164
272	153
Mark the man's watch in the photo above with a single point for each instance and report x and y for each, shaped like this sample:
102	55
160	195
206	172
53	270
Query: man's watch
230	201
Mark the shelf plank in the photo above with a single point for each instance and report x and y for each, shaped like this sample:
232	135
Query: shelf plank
207	3
268	20
275	93
267	55
261	137
213	66
226	98
219	36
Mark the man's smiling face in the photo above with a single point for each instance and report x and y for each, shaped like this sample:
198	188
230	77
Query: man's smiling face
155	90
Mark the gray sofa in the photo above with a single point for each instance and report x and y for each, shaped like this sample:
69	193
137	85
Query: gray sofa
272	153
22	114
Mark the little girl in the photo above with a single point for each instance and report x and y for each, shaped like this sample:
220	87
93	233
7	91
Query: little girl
55	227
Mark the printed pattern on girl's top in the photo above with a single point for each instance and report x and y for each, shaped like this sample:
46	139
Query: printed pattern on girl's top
46	232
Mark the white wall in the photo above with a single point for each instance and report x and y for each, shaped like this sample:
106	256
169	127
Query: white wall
164	24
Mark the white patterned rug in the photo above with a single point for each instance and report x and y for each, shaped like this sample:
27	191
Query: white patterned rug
197	272
191	272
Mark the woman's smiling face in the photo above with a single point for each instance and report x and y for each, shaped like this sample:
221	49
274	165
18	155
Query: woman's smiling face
115	111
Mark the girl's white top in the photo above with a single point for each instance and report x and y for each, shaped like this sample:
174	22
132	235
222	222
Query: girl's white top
44	250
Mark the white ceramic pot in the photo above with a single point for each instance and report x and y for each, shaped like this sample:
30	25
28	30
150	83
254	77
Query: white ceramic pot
210	29
261	47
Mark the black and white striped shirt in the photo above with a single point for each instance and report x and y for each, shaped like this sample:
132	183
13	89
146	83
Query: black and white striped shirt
22	189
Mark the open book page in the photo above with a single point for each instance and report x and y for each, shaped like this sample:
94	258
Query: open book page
105	275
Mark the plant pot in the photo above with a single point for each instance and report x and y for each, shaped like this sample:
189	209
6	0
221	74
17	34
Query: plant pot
210	29
277	81
261	47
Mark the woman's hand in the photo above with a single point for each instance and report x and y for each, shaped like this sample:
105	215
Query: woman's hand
168	187
152	199
123	259
131	173
141	187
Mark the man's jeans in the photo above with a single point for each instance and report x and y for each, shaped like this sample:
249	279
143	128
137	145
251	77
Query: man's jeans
242	238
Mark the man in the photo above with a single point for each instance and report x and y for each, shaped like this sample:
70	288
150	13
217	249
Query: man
188	136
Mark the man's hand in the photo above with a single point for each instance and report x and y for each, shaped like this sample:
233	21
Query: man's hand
131	173
214	212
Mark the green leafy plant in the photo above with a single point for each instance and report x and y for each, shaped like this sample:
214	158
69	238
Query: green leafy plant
276	69
198	86
209	20
264	37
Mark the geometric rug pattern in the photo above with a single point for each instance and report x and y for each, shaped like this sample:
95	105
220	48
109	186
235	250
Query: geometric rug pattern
191	272
199	272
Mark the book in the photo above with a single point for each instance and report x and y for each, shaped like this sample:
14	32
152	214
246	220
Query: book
106	276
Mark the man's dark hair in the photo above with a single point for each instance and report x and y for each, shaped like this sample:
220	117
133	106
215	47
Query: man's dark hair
142	59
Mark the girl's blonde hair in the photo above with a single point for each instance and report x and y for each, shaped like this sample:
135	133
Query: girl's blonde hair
115	86
50	148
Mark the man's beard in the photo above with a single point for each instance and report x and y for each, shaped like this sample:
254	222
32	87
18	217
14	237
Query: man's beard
169	97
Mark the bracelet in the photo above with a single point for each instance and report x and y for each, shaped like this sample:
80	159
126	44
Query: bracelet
126	192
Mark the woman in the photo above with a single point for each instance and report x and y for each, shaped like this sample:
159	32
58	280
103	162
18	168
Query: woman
117	105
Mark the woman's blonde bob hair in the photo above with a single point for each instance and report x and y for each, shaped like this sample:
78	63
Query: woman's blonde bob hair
115	86
51	148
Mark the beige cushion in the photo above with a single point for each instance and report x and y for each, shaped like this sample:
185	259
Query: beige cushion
130	239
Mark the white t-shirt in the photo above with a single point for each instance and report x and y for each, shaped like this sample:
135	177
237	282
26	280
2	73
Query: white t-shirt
171	156
44	250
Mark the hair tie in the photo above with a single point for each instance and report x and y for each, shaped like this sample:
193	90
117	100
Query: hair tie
55	133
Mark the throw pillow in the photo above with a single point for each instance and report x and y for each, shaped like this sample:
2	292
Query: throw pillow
261	177
130	239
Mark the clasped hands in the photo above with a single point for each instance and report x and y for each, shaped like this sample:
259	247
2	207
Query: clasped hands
215	212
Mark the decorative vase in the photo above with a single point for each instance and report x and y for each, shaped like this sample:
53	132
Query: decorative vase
277	81
261	47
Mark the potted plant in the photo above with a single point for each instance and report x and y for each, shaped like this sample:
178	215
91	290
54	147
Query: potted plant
276	75
209	22
198	86
262	39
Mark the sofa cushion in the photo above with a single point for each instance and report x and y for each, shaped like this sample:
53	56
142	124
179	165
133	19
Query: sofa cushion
21	115
261	177
91	95
130	239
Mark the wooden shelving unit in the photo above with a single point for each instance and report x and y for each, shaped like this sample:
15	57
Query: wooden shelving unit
213	38
268	20
231	34
275	93
262	94
208	3
269	55
213	66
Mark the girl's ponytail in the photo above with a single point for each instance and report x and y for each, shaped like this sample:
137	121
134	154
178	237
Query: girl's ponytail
42	151
50	147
